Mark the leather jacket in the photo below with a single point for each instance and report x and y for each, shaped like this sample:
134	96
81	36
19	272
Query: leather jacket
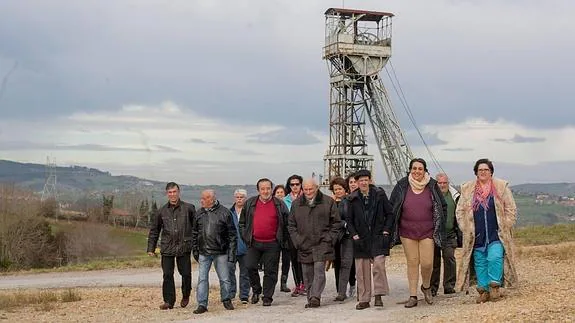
214	232
174	223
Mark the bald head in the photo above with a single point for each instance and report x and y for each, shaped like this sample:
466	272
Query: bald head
310	188
208	198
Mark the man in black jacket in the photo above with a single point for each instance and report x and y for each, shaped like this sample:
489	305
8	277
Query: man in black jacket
369	222
214	240
174	222
263	226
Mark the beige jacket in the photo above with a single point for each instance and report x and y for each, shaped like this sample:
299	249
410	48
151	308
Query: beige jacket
506	211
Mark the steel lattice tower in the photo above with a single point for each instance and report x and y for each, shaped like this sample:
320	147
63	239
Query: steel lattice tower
357	47
50	191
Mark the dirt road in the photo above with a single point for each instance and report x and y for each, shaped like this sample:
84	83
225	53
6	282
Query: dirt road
101	278
285	308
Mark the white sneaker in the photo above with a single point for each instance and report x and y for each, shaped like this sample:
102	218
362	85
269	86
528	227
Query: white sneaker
351	291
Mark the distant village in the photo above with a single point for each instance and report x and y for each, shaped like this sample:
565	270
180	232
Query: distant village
546	199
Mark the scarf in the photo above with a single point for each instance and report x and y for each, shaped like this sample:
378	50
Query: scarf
481	196
416	186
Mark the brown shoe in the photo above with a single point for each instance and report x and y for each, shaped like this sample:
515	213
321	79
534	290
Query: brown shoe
483	296
339	298
494	292
362	305
411	302
314	302
427	294
166	306
378	302
185	301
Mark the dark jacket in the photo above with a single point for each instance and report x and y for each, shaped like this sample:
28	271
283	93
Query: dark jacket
242	248
314	228
174	223
214	233
247	221
455	238
342	207
439	209
370	223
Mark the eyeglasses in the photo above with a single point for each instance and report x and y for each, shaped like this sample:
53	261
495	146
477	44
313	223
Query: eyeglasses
294	184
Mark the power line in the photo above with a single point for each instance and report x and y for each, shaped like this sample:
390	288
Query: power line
5	80
401	95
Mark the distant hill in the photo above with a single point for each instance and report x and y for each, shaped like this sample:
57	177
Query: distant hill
75	182
557	189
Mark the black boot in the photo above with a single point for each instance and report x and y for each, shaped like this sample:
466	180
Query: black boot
283	285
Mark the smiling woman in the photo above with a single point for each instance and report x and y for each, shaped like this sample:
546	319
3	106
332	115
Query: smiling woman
420	211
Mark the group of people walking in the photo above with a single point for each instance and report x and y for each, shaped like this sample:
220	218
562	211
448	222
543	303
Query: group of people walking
352	230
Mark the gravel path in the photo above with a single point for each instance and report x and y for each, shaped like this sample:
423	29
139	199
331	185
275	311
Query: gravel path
284	309
99	278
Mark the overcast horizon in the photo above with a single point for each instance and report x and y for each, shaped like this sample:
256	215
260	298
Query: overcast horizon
219	92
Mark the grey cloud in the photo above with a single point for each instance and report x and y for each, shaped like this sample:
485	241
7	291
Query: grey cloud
199	141
166	149
209	172
93	66
457	149
285	136
518	139
432	139
246	152
27	145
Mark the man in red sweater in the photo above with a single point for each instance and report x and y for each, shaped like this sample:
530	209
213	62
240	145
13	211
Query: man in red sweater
263	227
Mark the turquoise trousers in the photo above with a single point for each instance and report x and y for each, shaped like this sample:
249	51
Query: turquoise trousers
489	264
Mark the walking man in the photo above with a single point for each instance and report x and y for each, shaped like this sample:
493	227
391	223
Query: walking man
174	222
262	224
244	282
214	238
369	222
314	227
453	239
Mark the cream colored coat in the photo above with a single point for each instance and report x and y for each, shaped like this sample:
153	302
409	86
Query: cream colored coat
506	211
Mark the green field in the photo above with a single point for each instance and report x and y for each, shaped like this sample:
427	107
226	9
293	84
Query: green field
530	213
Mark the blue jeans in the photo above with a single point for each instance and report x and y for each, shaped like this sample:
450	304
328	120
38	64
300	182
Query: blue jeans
489	264
223	271
244	279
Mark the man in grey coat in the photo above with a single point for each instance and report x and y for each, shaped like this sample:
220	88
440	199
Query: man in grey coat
314	226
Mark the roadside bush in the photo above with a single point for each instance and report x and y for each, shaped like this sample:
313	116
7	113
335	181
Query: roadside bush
86	241
26	239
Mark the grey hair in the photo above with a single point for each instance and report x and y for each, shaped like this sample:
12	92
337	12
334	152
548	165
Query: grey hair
442	175
241	191
211	192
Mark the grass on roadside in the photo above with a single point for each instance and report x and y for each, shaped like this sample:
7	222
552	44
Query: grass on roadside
545	235
43	300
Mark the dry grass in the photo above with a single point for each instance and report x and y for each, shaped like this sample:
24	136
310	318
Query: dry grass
562	251
106	305
43	300
545	235
70	295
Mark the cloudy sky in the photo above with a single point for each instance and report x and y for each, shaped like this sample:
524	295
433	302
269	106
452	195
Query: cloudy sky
225	92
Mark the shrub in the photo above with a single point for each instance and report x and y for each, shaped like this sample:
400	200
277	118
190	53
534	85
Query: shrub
70	295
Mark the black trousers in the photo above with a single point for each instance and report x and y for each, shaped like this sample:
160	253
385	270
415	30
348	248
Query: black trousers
285	264
184	264
449	268
268	253
296	267
345	254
